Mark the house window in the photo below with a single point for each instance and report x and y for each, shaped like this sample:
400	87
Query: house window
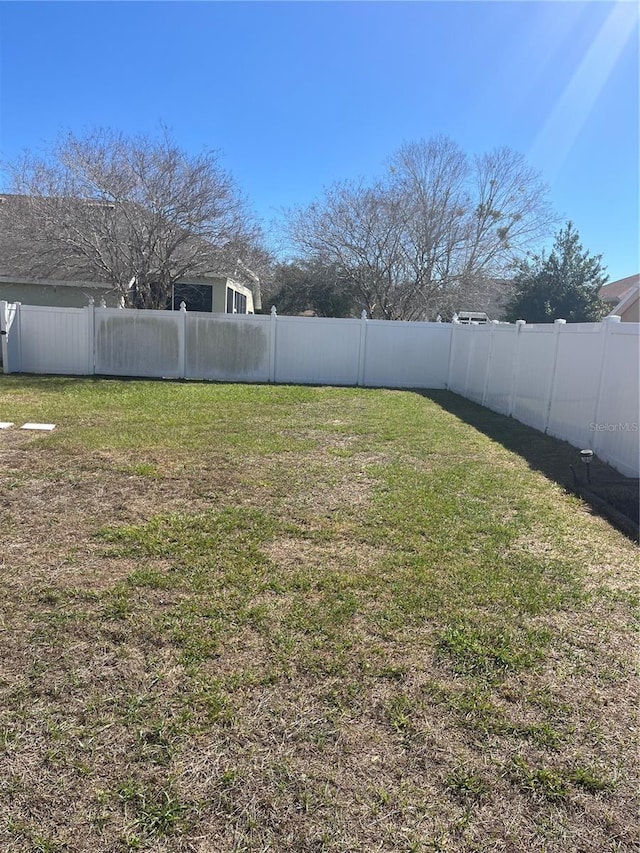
198	297
236	302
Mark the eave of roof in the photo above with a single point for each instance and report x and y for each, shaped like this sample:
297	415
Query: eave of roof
54	282
614	291
627	301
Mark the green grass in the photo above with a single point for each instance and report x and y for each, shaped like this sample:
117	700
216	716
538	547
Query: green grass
303	619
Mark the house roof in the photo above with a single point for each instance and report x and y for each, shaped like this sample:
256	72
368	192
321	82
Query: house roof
631	296
614	291
55	282
25	255
23	251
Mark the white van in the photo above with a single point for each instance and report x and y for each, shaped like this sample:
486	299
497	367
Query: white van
472	317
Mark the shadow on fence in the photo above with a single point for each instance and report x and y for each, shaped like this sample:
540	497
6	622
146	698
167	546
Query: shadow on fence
609	493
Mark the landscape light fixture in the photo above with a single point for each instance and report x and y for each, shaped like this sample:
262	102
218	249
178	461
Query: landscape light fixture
587	458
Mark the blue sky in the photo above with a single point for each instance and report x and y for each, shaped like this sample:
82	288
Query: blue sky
298	94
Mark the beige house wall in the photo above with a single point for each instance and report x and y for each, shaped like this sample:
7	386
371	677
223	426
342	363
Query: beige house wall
632	314
219	297
76	294
57	294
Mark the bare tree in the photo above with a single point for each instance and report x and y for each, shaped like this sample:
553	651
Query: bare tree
432	234
138	213
358	231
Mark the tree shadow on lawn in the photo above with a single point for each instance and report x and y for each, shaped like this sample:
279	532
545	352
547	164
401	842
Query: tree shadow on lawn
609	493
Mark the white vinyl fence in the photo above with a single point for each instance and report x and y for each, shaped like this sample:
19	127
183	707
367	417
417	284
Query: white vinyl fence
226	347
578	382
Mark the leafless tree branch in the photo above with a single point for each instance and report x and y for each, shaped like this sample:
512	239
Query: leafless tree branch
436	229
137	213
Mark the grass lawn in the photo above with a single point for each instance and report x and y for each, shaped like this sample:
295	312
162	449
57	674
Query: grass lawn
250	618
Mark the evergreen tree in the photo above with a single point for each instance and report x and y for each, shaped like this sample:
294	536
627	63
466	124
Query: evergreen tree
563	285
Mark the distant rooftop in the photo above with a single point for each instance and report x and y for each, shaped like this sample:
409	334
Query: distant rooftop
614	291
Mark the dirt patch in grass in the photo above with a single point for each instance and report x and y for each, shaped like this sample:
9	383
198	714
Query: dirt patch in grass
52	504
291	554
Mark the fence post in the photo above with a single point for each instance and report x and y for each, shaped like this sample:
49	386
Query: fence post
17	320
607	326
558	325
272	344
182	341
455	322
3	336
514	372
10	327
362	348
90	311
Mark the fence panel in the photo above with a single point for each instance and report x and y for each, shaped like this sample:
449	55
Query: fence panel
139	343
615	427
534	373
461	345
406	355
228	348
575	387
53	340
317	351
477	361
500	370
